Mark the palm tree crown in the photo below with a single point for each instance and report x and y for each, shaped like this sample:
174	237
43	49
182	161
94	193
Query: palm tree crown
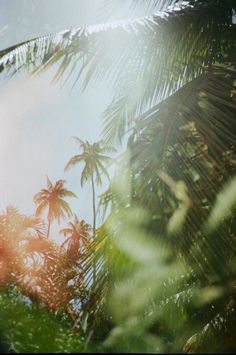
52	199
77	234
94	159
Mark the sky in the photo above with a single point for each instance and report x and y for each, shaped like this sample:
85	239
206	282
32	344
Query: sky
37	117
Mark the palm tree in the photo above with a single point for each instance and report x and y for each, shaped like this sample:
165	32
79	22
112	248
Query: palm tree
77	234
52	199
174	75
93	157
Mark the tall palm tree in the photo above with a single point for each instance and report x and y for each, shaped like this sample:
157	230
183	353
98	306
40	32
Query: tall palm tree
52	199
94	166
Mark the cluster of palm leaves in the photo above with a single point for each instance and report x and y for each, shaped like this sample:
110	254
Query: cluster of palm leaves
169	213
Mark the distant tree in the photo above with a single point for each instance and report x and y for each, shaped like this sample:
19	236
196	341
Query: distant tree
77	234
93	157
52	199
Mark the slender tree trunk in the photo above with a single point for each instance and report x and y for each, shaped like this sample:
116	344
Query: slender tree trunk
94	207
49	226
94	226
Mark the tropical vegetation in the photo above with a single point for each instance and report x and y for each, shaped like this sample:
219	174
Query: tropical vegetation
158	274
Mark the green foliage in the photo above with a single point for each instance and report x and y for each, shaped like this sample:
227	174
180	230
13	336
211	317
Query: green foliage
29	328
156	302
164	259
224	207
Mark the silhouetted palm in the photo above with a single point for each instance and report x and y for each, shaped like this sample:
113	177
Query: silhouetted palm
93	157
52	199
77	234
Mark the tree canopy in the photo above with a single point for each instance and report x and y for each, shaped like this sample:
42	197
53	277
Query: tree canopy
164	254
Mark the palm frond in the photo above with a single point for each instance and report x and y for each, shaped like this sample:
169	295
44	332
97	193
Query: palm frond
34	223
145	59
41	207
136	33
59	185
149	6
85	175
200	120
65	241
219	327
65	207
80	141
103	169
67	193
163	68
49	184
73	161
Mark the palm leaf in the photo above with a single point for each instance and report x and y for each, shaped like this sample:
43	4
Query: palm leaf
73	161
148	5
156	56
49	184
189	136
41	207
67	193
80	141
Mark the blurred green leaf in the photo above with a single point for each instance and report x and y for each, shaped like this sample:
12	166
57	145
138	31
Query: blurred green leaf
224	206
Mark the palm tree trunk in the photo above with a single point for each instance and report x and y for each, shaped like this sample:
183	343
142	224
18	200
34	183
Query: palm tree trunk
49	226
94	206
94	226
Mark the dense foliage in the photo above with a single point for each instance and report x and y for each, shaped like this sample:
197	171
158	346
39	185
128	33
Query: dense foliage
159	274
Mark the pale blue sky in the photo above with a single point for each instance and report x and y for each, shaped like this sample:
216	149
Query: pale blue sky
37	118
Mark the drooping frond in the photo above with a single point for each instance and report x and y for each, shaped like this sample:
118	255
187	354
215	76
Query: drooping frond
73	161
85	175
106	203
41	207
149	6
102	168
168	61
208	102
96	44
218	327
34	223
191	136
65	207
145	59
